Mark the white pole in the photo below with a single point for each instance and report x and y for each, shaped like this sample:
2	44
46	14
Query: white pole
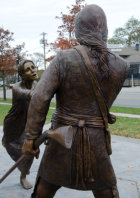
132	81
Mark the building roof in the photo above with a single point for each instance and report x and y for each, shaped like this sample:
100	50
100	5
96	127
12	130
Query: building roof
129	53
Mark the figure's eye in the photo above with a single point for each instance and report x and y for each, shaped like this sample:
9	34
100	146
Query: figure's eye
33	67
28	69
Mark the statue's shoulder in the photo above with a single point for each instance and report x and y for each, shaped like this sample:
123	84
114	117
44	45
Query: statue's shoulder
68	54
118	61
16	85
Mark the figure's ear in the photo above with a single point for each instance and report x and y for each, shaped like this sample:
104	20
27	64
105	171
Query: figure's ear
23	76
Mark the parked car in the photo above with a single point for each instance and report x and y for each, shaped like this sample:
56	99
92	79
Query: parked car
1	84
10	86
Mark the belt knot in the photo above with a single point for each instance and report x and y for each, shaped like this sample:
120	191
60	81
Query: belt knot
81	123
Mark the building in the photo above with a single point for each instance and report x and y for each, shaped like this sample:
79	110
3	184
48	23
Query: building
132	55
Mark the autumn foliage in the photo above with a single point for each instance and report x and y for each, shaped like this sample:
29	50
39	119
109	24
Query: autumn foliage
8	57
64	43
7	61
66	30
66	38
49	59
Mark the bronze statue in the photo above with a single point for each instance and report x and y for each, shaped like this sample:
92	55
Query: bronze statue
15	120
87	165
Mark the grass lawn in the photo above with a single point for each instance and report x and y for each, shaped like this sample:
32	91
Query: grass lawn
6	101
128	110
3	112
129	127
5	108
52	104
49	115
114	109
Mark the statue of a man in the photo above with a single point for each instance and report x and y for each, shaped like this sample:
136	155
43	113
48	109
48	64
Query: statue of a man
87	165
15	120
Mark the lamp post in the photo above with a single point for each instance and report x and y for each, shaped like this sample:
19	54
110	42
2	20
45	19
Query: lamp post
44	42
18	49
3	79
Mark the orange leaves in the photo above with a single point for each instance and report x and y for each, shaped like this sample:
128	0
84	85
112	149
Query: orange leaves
8	54
49	59
63	43
131	166
66	39
68	19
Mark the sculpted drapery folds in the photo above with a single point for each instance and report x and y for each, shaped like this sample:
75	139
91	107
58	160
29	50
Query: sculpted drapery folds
87	165
15	120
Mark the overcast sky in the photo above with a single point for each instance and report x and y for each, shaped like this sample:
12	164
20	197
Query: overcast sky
27	19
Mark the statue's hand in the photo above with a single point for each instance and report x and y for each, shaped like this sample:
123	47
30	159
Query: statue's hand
111	118
28	149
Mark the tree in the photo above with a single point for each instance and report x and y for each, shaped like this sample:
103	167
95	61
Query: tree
40	72
37	58
67	27
8	56
49	59
129	34
64	43
66	39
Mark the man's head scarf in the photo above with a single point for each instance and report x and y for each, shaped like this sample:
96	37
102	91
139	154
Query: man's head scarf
91	30
91	26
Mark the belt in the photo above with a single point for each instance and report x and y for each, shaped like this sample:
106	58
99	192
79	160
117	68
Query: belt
81	156
78	120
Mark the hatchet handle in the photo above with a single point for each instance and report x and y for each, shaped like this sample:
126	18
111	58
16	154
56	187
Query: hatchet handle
37	143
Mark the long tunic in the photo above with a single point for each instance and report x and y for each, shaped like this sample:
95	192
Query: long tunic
87	164
14	124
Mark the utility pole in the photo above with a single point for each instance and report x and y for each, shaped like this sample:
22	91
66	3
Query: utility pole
44	42
132	80
3	79
18	50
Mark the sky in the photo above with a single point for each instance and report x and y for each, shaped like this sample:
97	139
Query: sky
27	19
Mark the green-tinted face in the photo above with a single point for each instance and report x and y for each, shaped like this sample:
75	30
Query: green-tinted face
30	72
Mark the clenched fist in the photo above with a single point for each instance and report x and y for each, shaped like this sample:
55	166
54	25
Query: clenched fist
29	150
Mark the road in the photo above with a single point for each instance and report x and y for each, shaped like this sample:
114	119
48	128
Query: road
128	97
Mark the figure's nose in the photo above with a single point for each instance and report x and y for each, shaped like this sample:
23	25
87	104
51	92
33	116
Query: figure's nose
33	70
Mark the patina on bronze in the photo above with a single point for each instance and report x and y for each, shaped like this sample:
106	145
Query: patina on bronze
87	165
63	135
15	120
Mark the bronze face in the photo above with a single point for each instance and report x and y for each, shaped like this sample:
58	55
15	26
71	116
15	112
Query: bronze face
30	71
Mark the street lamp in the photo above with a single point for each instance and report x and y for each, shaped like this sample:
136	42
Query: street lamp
18	49
44	42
